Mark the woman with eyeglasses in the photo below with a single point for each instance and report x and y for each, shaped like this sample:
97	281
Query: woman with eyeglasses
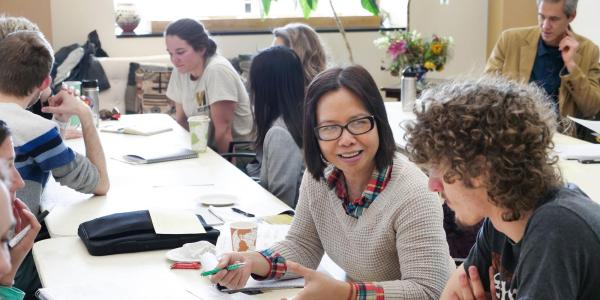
6	224
360	202
14	217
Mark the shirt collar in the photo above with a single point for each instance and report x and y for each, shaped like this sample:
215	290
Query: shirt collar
376	185
543	49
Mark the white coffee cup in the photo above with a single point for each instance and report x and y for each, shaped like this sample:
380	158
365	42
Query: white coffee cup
199	132
243	236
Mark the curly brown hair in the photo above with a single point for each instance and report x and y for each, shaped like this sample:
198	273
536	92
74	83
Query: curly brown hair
492	127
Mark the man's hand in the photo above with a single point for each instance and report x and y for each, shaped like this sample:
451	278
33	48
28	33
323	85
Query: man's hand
24	217
568	47
65	104
471	287
318	285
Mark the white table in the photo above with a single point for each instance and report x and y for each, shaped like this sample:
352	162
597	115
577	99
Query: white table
65	265
584	175
175	184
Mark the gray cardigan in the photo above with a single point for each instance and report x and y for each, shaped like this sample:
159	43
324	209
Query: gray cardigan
398	243
281	164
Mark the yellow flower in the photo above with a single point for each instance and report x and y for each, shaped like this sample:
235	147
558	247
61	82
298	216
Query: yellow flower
429	65
436	48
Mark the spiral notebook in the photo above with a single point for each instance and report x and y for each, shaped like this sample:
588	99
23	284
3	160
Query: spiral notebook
150	156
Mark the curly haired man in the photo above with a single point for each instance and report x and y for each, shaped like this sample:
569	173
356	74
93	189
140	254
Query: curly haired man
488	147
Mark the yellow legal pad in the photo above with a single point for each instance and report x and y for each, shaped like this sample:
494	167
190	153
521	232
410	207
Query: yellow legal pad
279	219
175	222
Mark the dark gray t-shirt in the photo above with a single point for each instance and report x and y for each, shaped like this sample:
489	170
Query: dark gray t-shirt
558	257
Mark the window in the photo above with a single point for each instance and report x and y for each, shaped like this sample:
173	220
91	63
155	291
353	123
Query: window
248	15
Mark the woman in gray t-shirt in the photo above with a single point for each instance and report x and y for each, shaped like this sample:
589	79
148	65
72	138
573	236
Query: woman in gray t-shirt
205	83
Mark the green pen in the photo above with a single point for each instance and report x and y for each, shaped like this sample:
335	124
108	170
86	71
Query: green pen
217	270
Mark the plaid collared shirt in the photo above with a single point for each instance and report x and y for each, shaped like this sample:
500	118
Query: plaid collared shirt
355	208
278	267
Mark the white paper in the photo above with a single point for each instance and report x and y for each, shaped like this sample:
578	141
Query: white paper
593	125
175	222
265	285
578	151
117	291
136	129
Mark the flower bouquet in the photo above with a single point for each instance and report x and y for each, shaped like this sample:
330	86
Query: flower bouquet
410	50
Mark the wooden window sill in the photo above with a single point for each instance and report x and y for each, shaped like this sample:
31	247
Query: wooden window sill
225	26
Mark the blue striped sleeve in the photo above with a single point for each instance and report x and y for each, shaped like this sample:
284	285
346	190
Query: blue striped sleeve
45	153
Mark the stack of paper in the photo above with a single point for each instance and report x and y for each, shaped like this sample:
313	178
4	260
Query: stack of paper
592	125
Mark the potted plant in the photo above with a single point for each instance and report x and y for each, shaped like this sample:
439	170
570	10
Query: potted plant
407	49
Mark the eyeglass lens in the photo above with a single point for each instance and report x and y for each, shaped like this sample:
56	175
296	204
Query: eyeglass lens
355	127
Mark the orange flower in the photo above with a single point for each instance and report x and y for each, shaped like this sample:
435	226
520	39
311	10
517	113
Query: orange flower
436	48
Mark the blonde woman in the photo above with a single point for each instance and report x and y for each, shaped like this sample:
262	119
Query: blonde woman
306	43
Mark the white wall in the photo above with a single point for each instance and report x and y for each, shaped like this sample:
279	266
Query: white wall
465	20
586	21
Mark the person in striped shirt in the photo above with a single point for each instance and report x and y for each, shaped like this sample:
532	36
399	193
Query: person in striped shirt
26	59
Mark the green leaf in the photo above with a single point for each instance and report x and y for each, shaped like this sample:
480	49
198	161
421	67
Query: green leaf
312	4
266	6
307	7
371	6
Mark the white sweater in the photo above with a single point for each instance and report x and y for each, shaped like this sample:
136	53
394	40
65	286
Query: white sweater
398	243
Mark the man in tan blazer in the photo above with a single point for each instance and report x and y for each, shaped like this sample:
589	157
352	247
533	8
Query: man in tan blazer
551	55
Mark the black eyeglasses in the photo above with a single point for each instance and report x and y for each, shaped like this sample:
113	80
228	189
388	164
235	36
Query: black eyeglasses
356	127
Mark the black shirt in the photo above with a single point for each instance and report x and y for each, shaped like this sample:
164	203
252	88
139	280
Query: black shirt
558	257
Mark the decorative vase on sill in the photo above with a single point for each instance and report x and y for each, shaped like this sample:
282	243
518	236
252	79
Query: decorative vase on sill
127	17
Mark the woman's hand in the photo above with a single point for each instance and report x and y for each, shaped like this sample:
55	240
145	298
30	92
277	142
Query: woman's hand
318	285
237	278
24	217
